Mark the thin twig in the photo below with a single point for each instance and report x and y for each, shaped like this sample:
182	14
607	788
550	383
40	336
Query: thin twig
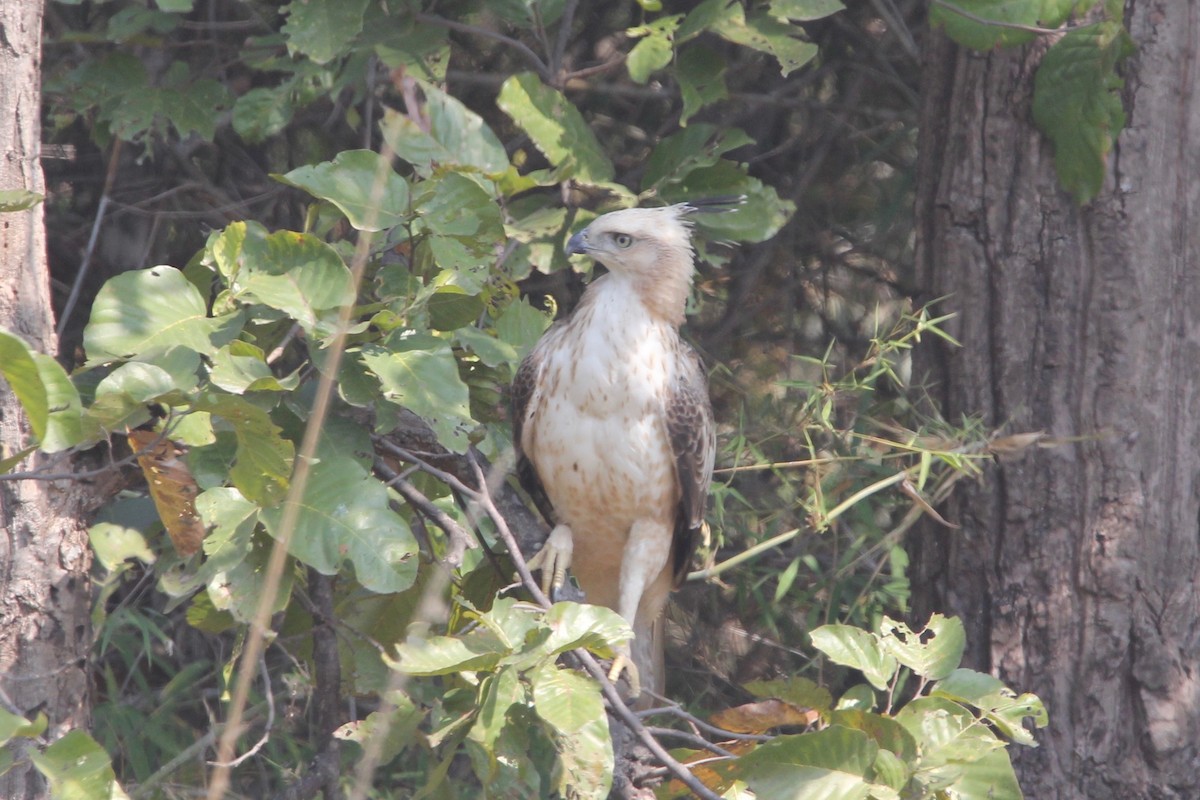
995	23
146	788
564	35
266	734
460	541
674	709
109	179
698	742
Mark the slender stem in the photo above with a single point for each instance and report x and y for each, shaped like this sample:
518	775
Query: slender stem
995	23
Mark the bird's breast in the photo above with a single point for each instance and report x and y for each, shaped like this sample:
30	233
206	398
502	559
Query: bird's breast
599	441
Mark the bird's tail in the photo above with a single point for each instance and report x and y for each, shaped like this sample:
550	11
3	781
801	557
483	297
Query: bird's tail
710	205
649	659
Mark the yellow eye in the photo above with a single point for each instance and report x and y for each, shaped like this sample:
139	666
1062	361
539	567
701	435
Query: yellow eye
622	240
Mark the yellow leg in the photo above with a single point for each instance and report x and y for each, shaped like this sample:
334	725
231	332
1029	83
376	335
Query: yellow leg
554	558
624	663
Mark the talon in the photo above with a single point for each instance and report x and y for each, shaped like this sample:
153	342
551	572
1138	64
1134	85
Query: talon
623	663
553	559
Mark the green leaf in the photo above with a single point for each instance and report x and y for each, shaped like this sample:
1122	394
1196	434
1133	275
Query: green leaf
18	200
114	544
556	127
230	519
1077	103
456	136
578	625
830	764
241	367
757	219
521	325
262	113
442	655
13	726
19	368
361	183
133	106
766	34
78	769
932	654
140	382
147	309
235	560
323	29
392	729
701	75
112	412
491	350
262	466
805	10
654	48
180	363
982	35
497	694
695	147
344	515
1000	705
946	732
891	770
796	690
989	777
569	702
858	649
426	382
884	731
703	17
296	273
421	50
465	229
451	307
192	106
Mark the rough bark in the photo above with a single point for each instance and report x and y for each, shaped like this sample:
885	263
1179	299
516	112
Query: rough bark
44	554
1076	569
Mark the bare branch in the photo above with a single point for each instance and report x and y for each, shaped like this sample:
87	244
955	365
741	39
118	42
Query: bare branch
460	540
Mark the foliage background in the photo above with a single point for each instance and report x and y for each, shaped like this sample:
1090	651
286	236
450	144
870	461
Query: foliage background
513	124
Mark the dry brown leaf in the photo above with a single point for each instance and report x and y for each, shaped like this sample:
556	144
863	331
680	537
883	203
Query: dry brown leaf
710	777
172	488
762	716
1015	444
914	495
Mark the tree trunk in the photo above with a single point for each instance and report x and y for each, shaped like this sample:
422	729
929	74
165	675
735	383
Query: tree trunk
44	551
1076	568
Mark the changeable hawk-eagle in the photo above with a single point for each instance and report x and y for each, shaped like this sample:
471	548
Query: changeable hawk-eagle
614	428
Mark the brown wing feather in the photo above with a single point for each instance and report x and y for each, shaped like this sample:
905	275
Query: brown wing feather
524	385
693	435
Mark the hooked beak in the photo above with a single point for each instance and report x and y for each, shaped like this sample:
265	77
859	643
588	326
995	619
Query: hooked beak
578	244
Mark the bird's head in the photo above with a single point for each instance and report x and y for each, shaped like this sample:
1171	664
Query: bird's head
650	246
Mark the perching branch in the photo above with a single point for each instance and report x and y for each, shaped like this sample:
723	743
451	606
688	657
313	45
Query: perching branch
460	540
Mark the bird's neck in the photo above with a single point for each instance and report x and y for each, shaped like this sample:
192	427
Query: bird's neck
663	294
